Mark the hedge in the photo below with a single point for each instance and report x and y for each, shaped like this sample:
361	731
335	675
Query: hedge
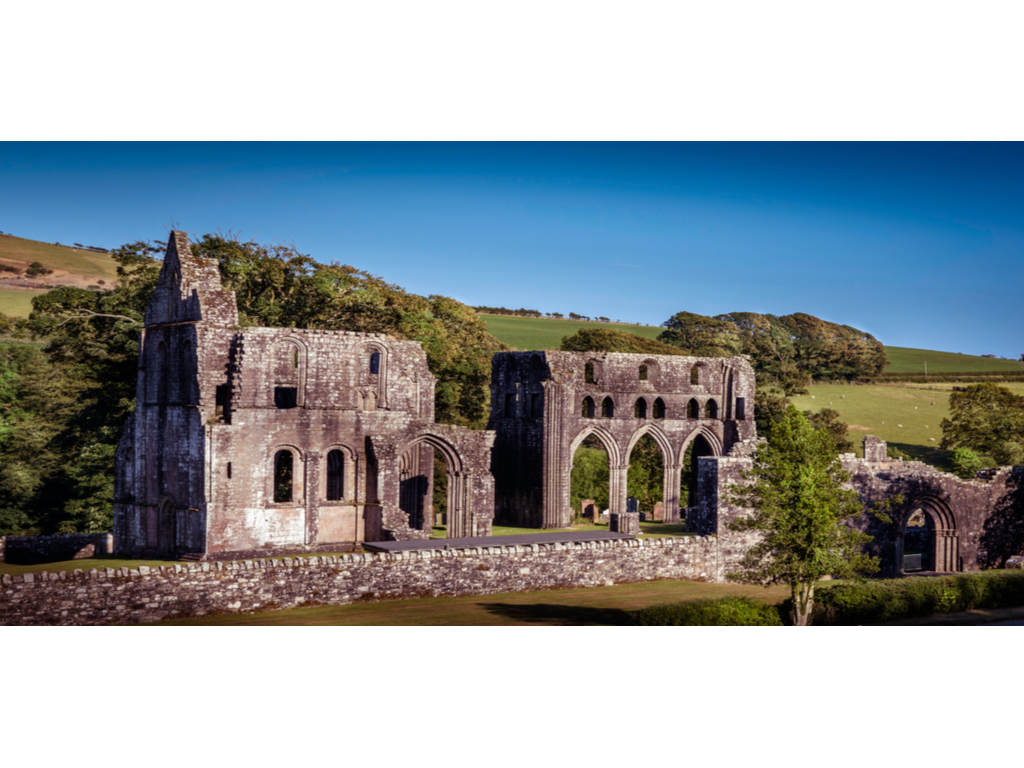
723	612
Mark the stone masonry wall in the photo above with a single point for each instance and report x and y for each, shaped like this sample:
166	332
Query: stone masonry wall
26	550
143	595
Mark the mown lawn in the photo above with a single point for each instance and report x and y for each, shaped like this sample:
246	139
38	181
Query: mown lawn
64	257
564	607
648	530
529	333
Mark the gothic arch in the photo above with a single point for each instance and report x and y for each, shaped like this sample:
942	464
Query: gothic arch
374	371
667	454
289	358
460	516
298	475
348	474
608	442
943	544
713	441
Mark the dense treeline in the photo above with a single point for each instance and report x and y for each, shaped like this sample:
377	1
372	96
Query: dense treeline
504	311
62	407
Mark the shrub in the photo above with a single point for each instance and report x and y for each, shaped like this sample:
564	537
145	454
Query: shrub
724	612
873	602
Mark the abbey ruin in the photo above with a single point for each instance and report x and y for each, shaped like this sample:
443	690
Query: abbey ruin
263	441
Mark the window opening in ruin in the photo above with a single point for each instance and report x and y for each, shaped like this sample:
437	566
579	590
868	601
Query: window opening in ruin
645	479
536	407
588	407
659	409
741	408
643	373
711	410
229	470
693	409
295	358
589	479
415	470
283	476
286	397
510	406
695	375
640	409
607	408
375	362
588	374
335	475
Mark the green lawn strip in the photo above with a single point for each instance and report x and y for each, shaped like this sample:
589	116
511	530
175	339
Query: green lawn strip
528	333
907	360
979	616
650	530
566	607
85	564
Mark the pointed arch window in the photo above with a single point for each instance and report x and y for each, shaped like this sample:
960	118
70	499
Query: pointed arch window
607	408
588	407
693	409
711	410
284	468
335	475
659	409
640	409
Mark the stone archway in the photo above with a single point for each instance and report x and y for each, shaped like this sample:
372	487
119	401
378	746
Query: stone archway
699	443
671	469
460	523
936	547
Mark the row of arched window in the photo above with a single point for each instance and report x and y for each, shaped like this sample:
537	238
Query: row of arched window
646	372
693	409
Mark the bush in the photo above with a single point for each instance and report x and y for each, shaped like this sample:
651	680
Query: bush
724	612
873	602
966	463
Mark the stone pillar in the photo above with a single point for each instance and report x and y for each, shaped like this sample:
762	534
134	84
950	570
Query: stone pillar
617	483
673	477
313	497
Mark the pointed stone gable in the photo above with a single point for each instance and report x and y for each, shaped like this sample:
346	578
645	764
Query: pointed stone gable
189	289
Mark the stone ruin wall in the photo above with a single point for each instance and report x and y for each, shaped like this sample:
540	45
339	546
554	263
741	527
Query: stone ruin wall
141	595
27	550
539	410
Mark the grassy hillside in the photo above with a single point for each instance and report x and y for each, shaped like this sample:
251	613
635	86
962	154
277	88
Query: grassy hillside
906	417
71	266
906	360
527	333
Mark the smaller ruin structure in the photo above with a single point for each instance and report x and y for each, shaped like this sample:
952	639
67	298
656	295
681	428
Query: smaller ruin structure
281	439
545	404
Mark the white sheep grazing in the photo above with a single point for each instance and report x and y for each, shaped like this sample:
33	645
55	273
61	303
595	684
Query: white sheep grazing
899	425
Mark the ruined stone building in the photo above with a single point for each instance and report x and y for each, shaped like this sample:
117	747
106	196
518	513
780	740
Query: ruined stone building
949	523
544	404
280	439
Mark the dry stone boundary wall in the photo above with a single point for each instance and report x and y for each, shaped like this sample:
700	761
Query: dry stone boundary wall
136	596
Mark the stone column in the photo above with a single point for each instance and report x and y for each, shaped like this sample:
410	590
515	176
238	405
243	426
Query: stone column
313	497
617	484
673	477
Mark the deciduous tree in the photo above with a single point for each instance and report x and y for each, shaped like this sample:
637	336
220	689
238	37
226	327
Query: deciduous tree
989	419
799	508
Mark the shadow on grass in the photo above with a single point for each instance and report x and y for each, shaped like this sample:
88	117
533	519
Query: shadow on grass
559	615
934	456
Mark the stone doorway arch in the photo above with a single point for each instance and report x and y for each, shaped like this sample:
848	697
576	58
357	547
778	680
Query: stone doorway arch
938	542
461	523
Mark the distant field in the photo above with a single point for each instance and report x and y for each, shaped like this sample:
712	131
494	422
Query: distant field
881	410
17	303
72	266
906	360
526	333
71	259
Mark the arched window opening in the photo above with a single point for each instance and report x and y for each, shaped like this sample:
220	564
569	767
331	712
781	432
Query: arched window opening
640	409
711	410
607	408
645	478
688	492
741	408
693	409
283	476
588	374
916	537
375	362
335	475
695	375
643	373
659	409
588	407
589	479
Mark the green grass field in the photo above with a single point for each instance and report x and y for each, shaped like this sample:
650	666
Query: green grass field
17	303
528	333
881	410
906	360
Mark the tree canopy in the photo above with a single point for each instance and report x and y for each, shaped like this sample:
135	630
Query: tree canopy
989	419
798	509
609	340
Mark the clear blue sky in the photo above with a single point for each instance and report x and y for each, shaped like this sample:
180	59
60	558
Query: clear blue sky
922	245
